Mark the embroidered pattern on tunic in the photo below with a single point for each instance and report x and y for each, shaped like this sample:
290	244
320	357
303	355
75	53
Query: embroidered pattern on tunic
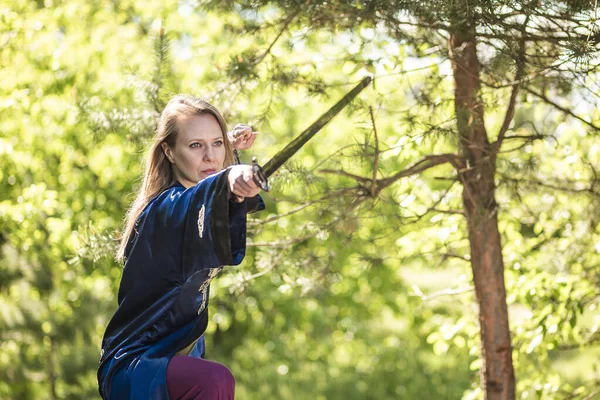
204	287
201	221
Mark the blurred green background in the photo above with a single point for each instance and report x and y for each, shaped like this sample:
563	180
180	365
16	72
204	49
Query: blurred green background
338	297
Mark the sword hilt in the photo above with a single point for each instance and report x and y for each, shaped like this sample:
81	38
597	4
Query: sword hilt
259	176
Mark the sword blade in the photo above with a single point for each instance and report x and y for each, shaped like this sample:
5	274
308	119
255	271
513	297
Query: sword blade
292	148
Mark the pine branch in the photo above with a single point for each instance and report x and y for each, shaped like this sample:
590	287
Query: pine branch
346	174
449	211
567	18
445	292
422	165
510	112
433	208
560	108
272	266
397	22
331	195
542	72
591	189
283	244
161	53
376	162
287	22
529	38
527	139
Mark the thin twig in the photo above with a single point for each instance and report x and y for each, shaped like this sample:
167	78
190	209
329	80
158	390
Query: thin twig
282	244
271	267
560	108
529	138
510	111
449	211
422	165
553	186
283	29
445	292
301	207
376	162
346	174
418	217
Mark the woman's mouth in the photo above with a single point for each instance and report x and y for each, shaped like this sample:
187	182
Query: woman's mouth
209	171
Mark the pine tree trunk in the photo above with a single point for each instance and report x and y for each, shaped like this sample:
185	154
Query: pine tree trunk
497	373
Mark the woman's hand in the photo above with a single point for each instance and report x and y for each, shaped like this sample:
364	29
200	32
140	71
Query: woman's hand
241	183
242	137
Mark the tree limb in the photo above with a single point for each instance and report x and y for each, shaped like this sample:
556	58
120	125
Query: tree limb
560	108
449	211
529	38
283	244
422	165
445	292
510	111
434	208
591	189
273	264
376	162
346	174
287	23
397	22
527	139
542	72
335	193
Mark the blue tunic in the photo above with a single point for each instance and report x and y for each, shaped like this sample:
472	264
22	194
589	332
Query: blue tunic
183	239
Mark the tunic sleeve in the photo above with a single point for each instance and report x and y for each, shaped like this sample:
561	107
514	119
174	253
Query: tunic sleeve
213	227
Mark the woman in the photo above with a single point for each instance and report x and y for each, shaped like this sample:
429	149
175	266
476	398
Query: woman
187	222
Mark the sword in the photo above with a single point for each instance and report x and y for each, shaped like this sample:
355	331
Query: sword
261	174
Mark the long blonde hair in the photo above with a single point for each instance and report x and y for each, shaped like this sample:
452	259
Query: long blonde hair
158	175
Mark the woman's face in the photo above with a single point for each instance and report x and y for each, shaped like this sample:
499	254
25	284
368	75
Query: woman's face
199	150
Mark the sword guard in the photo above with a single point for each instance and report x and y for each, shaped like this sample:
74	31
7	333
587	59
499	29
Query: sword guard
259	176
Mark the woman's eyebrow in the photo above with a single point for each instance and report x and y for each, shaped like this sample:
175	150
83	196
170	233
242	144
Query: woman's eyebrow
203	140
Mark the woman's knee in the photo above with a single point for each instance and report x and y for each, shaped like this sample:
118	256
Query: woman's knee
223	378
191	378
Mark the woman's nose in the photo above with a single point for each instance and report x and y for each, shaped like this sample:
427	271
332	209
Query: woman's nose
208	154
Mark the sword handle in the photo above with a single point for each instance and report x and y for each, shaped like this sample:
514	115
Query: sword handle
259	176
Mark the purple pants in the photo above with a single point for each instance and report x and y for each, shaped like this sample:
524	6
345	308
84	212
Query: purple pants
190	378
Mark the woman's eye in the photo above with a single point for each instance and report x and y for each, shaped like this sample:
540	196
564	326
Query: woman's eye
194	145
219	143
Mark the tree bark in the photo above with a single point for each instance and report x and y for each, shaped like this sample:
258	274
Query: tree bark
481	210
